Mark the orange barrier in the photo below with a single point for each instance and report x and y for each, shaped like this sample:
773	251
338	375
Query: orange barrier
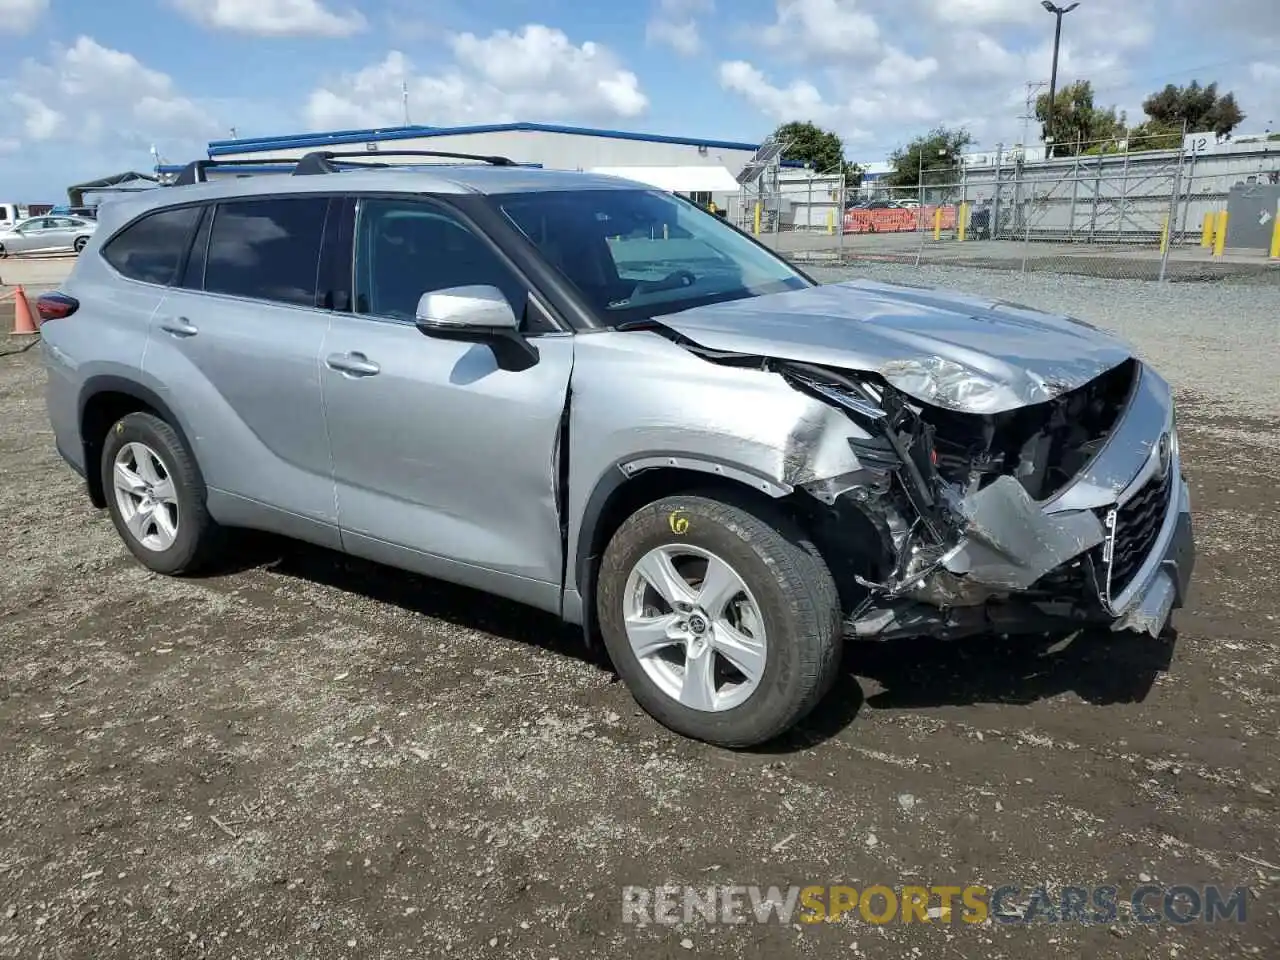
898	220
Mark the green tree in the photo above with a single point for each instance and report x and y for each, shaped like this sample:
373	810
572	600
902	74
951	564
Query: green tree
1079	125
1203	109
939	152
820	149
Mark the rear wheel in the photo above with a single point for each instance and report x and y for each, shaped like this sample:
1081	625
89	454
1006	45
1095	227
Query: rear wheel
721	618
155	495
80	243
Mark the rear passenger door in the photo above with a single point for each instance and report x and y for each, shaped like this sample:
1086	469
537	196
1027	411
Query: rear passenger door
238	340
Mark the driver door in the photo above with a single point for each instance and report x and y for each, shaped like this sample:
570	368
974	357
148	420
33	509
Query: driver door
34	236
445	463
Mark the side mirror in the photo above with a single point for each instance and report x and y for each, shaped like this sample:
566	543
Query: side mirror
477	314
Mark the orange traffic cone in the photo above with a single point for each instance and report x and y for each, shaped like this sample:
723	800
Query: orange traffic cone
23	322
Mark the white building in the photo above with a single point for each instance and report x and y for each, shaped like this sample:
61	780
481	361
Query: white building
703	169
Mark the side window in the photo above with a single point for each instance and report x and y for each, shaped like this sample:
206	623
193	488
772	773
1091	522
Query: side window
266	249
150	249
405	249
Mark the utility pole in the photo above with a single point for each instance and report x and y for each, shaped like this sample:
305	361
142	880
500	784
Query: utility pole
1059	13
404	96
1030	114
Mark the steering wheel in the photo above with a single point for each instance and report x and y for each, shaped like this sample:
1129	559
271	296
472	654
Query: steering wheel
672	281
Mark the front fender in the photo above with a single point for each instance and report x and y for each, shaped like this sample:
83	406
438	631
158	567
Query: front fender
640	401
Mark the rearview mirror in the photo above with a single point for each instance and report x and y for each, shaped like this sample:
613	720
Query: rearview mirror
472	308
477	314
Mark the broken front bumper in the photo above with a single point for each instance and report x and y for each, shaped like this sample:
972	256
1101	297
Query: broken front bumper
1161	583
1114	547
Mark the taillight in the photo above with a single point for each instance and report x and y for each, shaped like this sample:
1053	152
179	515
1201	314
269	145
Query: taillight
56	306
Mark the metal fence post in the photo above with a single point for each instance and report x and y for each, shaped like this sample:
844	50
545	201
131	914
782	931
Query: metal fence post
839	220
993	227
1171	219
1026	241
1075	191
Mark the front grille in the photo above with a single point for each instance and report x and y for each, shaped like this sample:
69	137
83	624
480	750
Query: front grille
1138	525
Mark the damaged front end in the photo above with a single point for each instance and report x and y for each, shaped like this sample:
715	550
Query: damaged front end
1056	514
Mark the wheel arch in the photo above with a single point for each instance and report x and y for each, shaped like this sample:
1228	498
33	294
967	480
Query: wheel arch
104	399
632	483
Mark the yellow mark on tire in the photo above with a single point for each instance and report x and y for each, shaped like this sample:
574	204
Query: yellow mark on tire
119	428
678	520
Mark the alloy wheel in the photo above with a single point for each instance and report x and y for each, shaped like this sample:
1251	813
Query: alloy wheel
694	627
146	496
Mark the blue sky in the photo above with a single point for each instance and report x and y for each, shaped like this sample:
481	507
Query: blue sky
88	86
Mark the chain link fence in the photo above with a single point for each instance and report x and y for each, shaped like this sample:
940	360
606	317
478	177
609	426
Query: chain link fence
1152	215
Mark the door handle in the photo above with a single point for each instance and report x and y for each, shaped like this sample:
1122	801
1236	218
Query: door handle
352	364
179	327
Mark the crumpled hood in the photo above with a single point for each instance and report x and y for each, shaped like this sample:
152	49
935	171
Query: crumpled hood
947	349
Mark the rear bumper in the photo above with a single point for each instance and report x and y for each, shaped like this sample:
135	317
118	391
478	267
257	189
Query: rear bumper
62	399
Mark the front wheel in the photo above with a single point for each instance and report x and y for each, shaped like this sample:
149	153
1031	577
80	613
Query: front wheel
721	618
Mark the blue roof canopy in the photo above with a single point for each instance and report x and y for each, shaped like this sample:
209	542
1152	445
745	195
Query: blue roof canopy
295	141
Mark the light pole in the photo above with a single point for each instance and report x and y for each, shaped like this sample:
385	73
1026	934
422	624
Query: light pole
1059	13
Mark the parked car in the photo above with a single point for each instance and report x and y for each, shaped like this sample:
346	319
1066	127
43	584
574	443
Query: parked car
598	399
47	235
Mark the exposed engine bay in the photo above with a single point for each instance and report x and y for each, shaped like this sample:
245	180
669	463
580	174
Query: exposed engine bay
952	502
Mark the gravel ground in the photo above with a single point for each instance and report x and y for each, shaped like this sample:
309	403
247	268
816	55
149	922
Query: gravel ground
309	756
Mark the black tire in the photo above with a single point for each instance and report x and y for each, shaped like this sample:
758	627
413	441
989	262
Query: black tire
80	243
791	584
197	534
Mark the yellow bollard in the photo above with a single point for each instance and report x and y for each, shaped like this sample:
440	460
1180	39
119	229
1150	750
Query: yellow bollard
937	224
757	219
1220	234
831	222
1275	236
1206	233
962	222
1164	235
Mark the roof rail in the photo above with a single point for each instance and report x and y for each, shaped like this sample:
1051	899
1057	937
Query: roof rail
321	161
194	172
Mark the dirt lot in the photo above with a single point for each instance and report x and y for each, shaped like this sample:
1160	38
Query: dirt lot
314	757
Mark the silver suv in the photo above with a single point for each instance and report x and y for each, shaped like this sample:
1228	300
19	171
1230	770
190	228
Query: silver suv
602	401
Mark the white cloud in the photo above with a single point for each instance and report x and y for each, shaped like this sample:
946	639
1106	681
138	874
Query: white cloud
988	12
93	94
674	23
901	68
535	74
274	18
829	28
879	72
19	16
799	100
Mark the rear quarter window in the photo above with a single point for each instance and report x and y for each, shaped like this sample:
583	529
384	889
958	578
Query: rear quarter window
151	248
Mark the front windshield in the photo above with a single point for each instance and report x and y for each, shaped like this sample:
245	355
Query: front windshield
635	254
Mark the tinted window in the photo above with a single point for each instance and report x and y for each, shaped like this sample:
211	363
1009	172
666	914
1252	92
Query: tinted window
267	249
405	249
151	248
